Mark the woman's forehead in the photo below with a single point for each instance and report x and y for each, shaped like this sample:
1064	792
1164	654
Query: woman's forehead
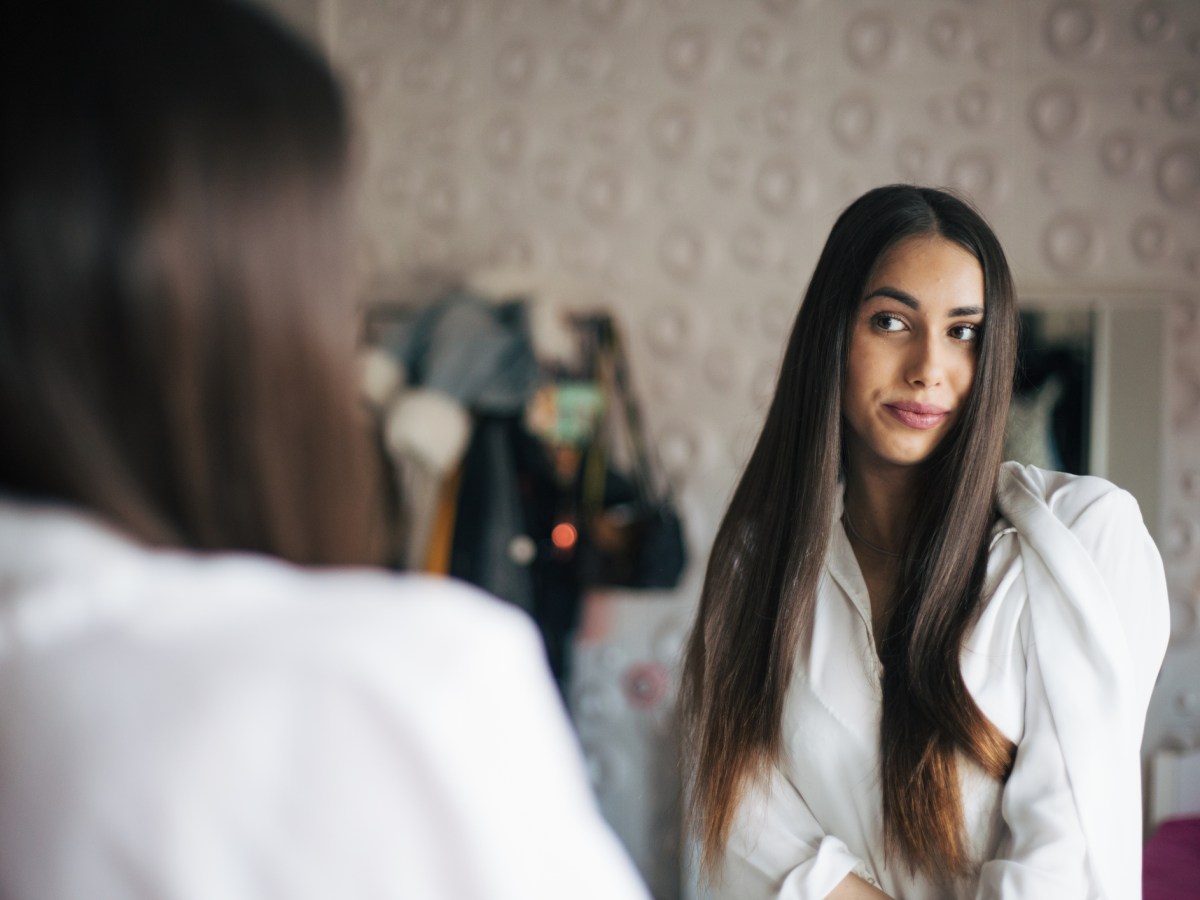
929	268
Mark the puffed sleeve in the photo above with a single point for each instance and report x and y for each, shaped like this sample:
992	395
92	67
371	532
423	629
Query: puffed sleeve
1044	856
1129	563
777	849
1097	627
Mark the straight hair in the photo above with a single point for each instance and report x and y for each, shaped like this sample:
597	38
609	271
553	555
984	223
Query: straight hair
769	555
176	335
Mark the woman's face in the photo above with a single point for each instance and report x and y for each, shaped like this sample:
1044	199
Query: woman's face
912	352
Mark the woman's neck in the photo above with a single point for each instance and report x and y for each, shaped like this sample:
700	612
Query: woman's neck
876	513
877	505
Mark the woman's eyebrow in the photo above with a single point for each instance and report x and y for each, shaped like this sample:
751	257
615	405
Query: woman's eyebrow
913	303
896	294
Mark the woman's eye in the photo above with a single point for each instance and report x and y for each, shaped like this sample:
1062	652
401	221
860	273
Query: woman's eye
965	332
887	322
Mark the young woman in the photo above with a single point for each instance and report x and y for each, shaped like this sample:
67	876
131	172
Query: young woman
187	708
917	672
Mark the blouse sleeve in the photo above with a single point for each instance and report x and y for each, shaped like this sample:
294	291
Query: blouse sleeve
777	850
1045	855
1129	563
1095	643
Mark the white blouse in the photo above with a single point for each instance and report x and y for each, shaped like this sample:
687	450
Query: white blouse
182	726
1062	660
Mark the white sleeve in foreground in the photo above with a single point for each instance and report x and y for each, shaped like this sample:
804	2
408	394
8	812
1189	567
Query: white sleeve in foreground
436	764
514	789
778	851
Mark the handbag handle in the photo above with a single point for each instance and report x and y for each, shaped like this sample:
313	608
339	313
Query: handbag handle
610	368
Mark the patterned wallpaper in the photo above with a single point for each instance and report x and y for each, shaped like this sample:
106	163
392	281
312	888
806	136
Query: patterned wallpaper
681	161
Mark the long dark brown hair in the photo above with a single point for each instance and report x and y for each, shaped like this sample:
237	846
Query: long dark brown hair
176	334
769	553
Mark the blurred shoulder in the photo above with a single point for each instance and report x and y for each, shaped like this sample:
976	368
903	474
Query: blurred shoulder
70	583
362	617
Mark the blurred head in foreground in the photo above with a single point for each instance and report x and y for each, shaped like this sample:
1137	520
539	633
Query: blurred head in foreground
176	336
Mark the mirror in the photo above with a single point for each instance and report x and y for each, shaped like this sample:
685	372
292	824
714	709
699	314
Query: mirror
1093	402
1090	391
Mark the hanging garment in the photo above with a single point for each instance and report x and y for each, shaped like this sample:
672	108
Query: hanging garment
467	353
474	350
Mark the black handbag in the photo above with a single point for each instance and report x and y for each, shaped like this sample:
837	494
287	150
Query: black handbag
633	536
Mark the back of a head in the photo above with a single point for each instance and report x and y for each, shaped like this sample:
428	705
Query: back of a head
176	340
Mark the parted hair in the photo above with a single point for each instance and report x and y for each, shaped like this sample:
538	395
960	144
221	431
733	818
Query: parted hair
761	582
176	335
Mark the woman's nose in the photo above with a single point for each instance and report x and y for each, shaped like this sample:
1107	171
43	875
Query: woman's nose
926	366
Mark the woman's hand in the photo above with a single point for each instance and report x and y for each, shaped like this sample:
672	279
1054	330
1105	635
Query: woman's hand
854	888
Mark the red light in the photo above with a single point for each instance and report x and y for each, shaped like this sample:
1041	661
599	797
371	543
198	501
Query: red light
564	536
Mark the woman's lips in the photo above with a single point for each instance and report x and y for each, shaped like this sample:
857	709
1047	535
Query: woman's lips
917	415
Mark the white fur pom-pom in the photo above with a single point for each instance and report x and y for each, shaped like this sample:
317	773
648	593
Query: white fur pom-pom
429	427
380	376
